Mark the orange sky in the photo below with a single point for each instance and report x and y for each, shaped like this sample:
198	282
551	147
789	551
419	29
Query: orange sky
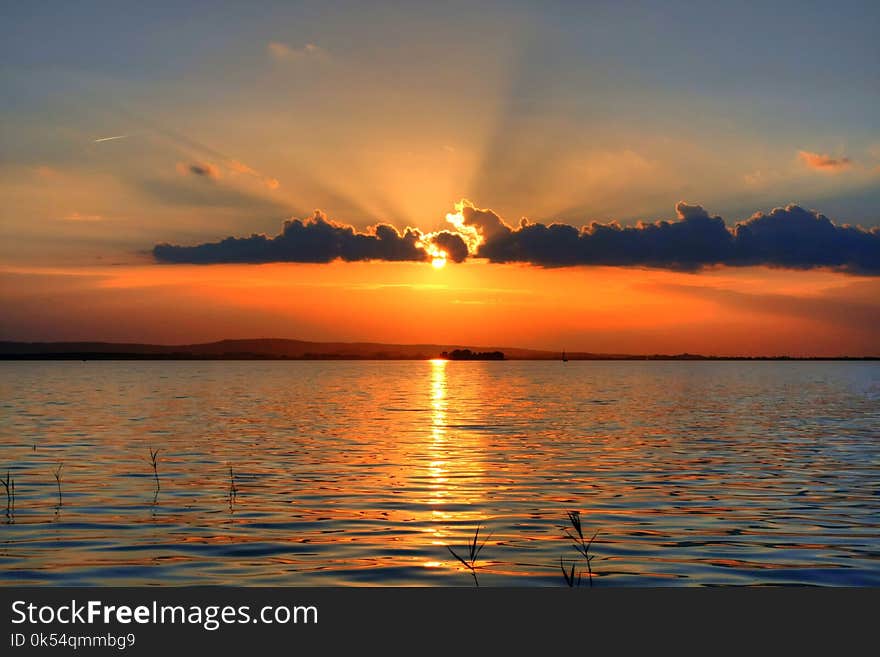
113	143
749	311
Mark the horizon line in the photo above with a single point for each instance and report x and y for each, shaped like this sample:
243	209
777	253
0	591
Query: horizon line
62	350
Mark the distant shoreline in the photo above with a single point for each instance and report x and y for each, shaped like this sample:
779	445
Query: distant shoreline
343	357
286	349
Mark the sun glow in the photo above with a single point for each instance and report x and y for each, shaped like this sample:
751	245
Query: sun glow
468	233
438	256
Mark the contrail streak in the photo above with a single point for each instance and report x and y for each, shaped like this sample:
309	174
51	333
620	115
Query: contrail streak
110	138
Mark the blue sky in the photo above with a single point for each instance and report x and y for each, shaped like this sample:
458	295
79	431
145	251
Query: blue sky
394	111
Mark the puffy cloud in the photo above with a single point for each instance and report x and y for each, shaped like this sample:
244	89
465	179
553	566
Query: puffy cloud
790	237
315	240
822	162
488	224
795	238
452	244
694	241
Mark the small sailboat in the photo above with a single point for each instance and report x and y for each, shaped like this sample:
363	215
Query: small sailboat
564	357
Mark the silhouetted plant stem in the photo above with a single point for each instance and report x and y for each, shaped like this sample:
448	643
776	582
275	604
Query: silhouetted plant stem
154	460
233	491
572	577
580	542
474	549
9	484
57	474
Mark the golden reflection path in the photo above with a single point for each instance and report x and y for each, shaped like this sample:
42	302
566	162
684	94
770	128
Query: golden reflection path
455	472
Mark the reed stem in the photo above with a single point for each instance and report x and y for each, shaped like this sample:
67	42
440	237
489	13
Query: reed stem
57	474
154	460
474	549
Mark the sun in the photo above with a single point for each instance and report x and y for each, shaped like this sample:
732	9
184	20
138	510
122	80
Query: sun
438	256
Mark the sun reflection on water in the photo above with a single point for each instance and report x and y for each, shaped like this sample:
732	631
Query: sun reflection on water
454	471
437	449
363	472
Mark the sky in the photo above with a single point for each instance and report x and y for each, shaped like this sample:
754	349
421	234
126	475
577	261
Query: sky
599	176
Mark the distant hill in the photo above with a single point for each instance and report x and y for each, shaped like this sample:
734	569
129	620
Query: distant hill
282	349
243	349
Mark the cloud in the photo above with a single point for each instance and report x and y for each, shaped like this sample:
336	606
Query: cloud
233	168
795	238
44	171
452	244
203	169
754	179
694	241
236	167
283	52
79	216
849	307
822	162
317	240
194	190
218	188
790	237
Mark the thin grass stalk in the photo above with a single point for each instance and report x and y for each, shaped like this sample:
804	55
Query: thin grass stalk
57	474
233	490
581	544
474	549
154	460
572	577
9	485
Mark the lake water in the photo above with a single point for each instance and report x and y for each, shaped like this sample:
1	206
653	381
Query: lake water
361	473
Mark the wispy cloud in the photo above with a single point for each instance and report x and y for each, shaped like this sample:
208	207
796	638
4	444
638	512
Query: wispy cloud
193	190
754	178
845	307
79	216
207	162
822	162
44	171
239	167
232	168
283	52
203	169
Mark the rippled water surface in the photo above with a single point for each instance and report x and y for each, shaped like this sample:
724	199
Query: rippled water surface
361	473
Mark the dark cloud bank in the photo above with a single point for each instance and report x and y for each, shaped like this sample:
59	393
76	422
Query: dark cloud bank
790	237
316	240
